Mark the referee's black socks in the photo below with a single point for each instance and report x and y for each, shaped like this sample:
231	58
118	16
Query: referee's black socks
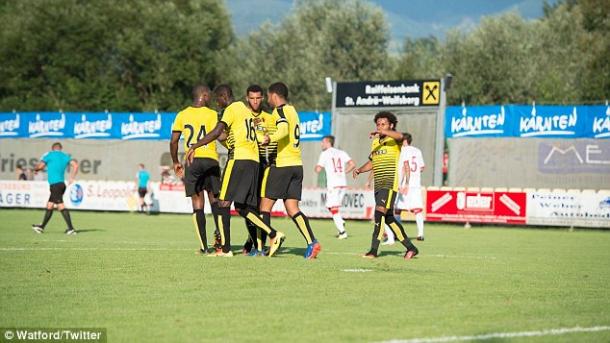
303	224
47	217
200	224
66	216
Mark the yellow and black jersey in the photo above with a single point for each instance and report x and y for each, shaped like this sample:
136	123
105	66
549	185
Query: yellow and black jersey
193	123
240	125
384	155
264	124
229	142
288	143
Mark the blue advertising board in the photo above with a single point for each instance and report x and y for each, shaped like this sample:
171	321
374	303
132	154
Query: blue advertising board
527	121
122	125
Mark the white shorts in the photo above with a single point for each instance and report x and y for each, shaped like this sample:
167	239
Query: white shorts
334	197
410	201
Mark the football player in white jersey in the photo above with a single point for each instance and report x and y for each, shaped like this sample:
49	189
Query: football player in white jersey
336	163
410	166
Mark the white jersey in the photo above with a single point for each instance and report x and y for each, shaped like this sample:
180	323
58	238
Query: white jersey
334	161
411	158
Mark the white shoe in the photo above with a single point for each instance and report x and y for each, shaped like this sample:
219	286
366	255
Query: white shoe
342	235
387	242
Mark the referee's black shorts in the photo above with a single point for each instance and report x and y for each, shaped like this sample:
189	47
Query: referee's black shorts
57	193
142	191
240	182
385	198
282	183
202	174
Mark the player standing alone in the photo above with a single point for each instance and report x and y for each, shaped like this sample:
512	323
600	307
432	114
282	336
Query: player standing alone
336	163
56	162
143	176
383	160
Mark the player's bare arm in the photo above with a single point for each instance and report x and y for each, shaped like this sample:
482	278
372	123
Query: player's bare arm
73	171
173	151
40	166
389	133
318	168
368	166
211	136
350	166
406	174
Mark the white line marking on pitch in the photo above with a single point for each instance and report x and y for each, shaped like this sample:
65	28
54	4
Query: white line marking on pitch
356	270
434	255
92	249
548	332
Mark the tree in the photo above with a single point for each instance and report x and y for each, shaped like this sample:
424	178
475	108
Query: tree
116	55
346	40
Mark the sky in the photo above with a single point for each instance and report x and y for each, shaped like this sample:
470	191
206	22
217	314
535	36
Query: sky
407	18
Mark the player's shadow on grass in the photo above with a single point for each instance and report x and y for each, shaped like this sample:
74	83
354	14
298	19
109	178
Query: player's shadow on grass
79	231
292	251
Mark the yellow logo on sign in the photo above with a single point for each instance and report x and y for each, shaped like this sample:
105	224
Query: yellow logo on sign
432	93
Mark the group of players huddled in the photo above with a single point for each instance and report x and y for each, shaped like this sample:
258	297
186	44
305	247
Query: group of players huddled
264	165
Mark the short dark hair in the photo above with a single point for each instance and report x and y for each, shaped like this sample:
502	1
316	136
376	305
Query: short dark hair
200	89
223	88
280	89
387	115
254	89
56	144
331	139
407	137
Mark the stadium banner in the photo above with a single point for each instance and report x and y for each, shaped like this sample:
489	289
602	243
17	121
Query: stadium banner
476	207
568	209
121	125
528	121
409	93
314	125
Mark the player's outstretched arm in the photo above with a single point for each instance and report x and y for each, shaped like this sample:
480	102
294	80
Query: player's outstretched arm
363	169
390	133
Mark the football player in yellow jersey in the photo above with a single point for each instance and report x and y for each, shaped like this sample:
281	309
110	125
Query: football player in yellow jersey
383	161
263	124
240	177
204	173
284	179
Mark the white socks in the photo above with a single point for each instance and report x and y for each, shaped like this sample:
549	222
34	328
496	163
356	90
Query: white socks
339	222
419	220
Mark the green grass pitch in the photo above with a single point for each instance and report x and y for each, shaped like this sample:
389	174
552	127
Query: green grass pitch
138	276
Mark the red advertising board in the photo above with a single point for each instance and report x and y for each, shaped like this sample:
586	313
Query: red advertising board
476	207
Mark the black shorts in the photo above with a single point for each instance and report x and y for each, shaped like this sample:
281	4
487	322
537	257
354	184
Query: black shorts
202	174
142	191
57	193
240	182
282	183
385	197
